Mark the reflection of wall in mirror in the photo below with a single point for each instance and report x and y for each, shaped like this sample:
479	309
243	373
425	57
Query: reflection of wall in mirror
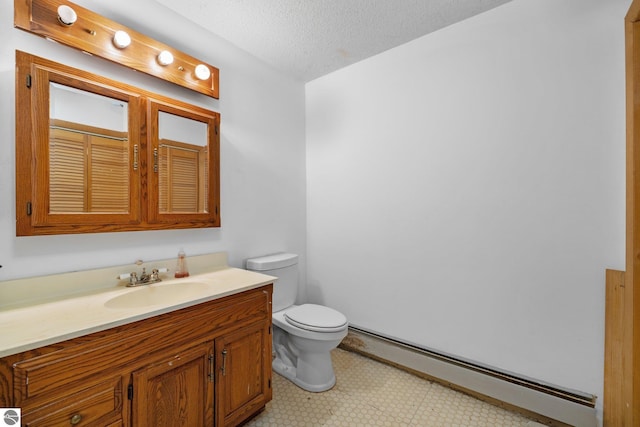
74	105
182	129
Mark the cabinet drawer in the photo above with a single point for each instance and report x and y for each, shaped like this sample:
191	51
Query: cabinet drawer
57	373
99	405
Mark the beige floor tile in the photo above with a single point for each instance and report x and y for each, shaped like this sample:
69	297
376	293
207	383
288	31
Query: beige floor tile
369	393
395	392
292	406
444	407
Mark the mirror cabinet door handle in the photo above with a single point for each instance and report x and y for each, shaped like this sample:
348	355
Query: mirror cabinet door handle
135	157
155	160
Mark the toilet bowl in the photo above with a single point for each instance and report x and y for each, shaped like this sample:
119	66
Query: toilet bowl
303	355
303	335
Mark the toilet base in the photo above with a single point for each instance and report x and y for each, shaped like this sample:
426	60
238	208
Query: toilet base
305	362
289	372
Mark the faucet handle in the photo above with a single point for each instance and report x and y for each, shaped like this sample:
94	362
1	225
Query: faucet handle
133	277
155	274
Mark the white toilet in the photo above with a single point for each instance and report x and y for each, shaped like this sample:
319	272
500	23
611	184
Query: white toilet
303	335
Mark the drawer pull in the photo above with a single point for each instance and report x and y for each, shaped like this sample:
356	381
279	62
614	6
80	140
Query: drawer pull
76	419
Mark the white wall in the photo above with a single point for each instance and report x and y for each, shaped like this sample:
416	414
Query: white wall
262	151
466	190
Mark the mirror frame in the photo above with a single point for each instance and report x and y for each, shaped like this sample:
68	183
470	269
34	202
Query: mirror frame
33	76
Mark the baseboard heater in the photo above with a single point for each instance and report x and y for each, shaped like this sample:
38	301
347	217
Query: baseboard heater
546	403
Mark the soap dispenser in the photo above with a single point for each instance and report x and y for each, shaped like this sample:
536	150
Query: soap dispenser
181	265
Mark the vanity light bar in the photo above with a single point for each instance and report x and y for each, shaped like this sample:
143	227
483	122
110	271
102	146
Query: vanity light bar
82	29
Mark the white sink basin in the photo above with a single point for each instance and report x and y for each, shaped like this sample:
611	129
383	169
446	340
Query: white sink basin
159	294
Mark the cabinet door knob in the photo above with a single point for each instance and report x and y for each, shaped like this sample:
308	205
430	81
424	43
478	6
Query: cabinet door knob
76	419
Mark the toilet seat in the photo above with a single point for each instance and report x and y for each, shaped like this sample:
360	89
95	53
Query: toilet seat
317	318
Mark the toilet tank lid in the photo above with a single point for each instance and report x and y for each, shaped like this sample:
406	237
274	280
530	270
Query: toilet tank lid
272	262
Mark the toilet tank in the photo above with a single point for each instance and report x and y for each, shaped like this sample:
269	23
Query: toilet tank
284	266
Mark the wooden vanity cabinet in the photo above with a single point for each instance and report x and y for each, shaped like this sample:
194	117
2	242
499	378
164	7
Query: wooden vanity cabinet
206	365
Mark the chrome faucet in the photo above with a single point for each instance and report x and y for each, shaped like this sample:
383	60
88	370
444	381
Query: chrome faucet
144	279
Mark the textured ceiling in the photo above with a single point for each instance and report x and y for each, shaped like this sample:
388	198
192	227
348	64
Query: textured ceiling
310	38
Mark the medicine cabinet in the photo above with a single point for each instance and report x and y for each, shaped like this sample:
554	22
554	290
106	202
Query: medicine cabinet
97	155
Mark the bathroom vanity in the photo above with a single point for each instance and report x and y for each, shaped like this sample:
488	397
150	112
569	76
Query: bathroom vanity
143	356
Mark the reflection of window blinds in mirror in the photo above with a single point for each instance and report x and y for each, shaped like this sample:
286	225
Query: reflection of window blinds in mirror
179	180
109	183
89	173
67	167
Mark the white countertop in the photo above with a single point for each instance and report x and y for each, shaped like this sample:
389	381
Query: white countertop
29	327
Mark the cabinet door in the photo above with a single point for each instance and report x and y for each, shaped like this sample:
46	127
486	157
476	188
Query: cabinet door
183	182
243	367
77	147
175	391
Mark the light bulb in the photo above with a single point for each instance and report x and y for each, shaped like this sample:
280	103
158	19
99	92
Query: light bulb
202	72
121	39
165	58
66	15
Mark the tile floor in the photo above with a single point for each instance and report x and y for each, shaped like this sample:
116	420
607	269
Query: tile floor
370	393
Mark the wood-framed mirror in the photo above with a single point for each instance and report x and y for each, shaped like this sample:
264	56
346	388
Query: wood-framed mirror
183	156
85	162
